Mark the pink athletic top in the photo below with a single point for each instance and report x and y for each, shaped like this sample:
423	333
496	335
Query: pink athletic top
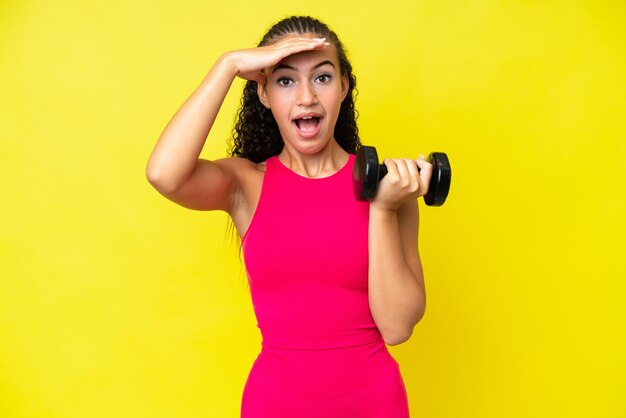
306	254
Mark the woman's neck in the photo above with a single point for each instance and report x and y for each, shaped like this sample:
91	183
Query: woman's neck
324	163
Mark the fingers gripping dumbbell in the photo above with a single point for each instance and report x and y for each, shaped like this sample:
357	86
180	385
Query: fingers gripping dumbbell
368	172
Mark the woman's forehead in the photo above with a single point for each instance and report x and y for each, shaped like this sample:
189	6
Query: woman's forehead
307	60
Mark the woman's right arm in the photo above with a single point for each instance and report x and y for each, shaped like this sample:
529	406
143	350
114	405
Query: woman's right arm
174	168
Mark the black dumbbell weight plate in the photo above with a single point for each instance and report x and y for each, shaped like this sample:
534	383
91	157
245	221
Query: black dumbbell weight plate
440	181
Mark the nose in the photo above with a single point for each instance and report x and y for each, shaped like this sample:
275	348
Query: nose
306	95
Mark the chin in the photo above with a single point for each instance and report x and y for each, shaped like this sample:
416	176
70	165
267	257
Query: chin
312	146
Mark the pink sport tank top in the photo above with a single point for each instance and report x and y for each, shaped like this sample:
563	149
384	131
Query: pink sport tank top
306	255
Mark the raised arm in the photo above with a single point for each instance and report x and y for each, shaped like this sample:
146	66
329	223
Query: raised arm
174	167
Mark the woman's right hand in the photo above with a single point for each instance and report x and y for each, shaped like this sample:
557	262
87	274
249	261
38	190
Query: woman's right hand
250	63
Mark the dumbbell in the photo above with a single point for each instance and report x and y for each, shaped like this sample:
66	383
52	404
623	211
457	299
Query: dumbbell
368	172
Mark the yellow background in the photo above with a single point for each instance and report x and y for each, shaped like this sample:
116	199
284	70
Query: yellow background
117	303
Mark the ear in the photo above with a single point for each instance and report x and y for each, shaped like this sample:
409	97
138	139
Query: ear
345	84
262	93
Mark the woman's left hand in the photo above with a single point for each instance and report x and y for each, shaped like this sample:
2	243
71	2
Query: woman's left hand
406	179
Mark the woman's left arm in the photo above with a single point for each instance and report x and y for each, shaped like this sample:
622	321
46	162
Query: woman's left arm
397	294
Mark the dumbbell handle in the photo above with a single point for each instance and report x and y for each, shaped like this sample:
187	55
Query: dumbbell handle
382	170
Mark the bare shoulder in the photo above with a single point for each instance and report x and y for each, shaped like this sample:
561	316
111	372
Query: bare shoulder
248	177
245	173
240	168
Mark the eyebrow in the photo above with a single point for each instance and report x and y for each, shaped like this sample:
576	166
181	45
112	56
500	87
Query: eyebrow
290	67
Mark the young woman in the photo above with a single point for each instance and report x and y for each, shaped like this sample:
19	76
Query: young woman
332	279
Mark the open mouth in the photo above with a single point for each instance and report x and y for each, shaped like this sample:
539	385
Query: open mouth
308	126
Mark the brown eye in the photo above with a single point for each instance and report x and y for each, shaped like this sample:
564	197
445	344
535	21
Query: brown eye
324	78
284	81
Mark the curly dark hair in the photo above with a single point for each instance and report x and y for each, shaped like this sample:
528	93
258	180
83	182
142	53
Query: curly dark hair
256	135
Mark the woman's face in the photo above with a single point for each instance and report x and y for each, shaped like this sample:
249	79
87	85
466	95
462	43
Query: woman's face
304	91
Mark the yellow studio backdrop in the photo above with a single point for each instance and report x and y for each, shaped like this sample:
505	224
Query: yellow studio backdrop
117	303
